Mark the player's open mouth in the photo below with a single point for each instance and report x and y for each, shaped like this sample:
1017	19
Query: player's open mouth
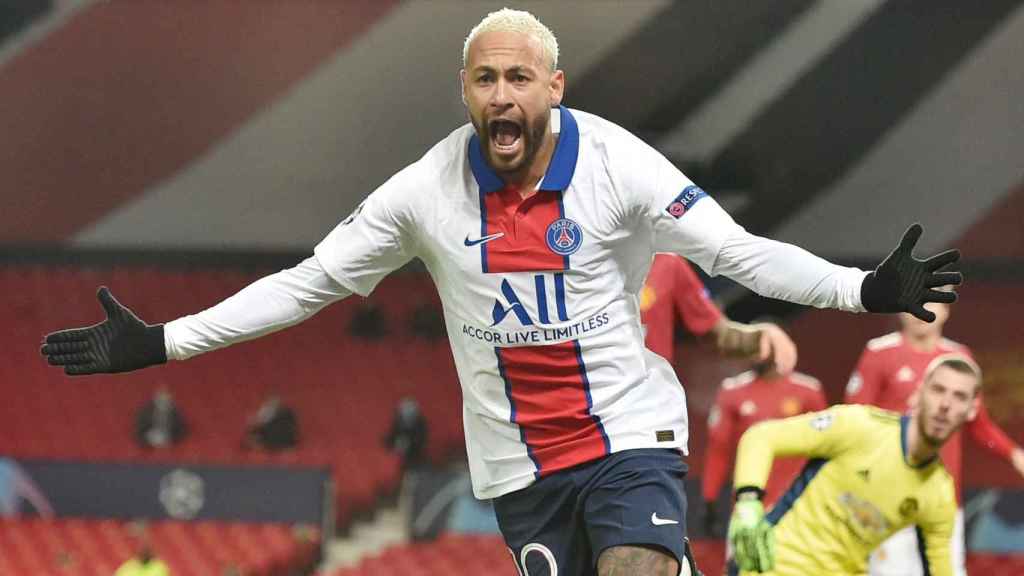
506	136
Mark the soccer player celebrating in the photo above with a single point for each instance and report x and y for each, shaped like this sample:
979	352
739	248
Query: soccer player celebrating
537	224
673	290
744	400
871	473
887	374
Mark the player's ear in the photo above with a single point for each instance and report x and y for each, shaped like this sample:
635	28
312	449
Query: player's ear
462	86
975	406
556	87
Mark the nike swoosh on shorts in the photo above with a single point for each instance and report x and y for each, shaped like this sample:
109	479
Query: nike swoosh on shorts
661	521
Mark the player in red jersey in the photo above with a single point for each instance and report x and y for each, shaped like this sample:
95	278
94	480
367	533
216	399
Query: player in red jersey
672	289
744	400
887	375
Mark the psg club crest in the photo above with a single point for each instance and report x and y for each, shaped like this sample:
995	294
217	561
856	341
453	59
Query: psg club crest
564	237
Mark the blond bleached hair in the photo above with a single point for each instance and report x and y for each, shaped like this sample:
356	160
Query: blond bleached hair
509	20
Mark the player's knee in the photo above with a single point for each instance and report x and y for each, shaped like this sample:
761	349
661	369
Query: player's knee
638	560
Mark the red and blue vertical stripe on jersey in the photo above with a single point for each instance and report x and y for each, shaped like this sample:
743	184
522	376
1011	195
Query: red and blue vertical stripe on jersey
549	394
548	388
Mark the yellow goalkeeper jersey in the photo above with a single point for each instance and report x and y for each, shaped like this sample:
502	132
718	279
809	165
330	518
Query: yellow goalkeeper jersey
855	492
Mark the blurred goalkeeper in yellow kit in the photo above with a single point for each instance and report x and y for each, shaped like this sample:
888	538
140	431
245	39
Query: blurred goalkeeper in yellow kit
871	473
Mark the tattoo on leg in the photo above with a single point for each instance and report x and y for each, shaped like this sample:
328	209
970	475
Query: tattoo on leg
636	561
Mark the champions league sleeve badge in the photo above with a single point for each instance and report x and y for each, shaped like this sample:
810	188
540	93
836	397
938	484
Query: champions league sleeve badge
686	199
564	237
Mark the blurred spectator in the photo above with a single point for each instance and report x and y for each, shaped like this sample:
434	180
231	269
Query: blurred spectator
408	434
143	564
274	427
159	422
65	561
427	322
368	322
16	486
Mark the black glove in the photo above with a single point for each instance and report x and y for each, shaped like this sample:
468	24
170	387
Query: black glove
902	283
120	343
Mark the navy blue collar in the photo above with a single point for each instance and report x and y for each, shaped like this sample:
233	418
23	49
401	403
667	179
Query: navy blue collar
904	424
560	170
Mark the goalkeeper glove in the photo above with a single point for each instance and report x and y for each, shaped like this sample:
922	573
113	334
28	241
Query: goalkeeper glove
120	343
753	546
902	283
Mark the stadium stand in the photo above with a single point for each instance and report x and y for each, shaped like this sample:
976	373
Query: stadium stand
343	389
97	547
452	554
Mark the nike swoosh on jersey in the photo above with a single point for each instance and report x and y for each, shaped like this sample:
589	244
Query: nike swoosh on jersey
661	521
482	239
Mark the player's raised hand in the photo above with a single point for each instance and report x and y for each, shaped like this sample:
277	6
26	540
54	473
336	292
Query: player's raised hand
902	283
777	347
753	544
120	343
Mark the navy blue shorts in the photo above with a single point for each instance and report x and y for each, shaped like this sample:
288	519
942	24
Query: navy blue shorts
560	524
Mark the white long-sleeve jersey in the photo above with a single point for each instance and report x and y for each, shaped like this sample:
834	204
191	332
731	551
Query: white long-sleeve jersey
539	294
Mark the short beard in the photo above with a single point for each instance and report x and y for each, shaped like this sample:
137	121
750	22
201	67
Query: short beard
929	440
533	138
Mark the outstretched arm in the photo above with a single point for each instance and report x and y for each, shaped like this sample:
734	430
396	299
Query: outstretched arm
123	342
694	307
690	223
375	240
901	283
267	305
822	434
760	342
816	434
987	433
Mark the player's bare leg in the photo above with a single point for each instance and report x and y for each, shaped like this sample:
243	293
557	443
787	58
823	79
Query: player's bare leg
636	561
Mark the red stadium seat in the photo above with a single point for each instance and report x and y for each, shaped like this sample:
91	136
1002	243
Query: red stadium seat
452	555
33	547
995	564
